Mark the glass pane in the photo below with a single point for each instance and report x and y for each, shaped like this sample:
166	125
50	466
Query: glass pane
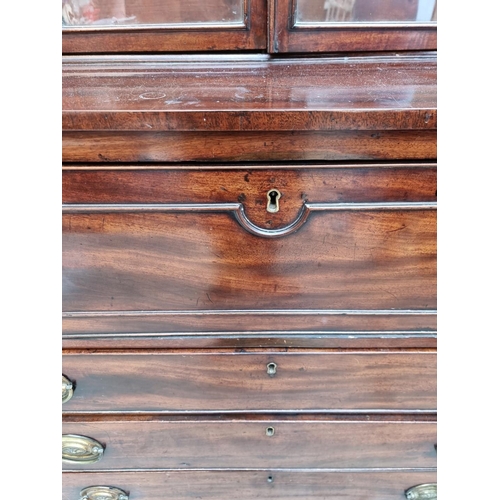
366	11
139	12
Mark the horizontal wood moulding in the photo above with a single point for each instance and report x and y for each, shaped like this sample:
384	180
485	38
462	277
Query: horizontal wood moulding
248	444
234	322
183	381
219	329
254	417
258	93
210	146
306	39
364	340
249	485
351	260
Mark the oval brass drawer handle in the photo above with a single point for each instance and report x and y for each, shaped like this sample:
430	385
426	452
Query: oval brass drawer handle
422	492
81	449
103	493
67	389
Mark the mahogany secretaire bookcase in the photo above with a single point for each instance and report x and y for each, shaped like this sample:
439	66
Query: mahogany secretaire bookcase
249	249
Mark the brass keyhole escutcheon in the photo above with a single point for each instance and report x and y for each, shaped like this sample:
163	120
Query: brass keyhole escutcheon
273	204
271	369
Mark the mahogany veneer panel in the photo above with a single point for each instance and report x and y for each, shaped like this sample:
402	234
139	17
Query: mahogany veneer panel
216	329
244	444
187	381
82	146
337	184
207	261
249	485
254	108
235	93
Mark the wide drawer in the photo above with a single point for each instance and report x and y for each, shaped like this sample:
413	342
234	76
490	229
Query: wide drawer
169	250
166	261
249	485
257	444
187	381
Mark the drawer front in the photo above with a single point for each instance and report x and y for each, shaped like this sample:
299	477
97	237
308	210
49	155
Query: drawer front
173	250
249	485
206	261
258	444
184	381
249	186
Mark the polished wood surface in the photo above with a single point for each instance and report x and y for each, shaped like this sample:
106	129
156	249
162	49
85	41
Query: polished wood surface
337	184
242	329
190	381
180	290
247	444
207	261
253	93
250	34
223	108
249	485
81	146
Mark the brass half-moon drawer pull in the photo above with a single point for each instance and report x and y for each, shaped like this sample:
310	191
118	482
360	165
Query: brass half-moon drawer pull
422	492
81	449
67	389
103	493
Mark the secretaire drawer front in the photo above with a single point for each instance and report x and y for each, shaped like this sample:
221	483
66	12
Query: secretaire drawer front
359	237
249	485
194	382
257	444
205	261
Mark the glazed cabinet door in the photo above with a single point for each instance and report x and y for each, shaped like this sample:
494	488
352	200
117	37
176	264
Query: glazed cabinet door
110	26
352	25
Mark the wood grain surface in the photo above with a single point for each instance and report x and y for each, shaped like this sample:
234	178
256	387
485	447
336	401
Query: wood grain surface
190	381
249	485
255	108
337	184
82	146
246	444
207	261
216	329
240	93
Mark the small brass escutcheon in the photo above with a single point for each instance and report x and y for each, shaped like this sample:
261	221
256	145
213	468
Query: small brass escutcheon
81	449
67	389
103	493
422	492
271	369
273	203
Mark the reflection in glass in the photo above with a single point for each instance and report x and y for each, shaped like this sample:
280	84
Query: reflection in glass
366	11
157	12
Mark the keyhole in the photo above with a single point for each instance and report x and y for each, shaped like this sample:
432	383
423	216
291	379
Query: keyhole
273	204
271	369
